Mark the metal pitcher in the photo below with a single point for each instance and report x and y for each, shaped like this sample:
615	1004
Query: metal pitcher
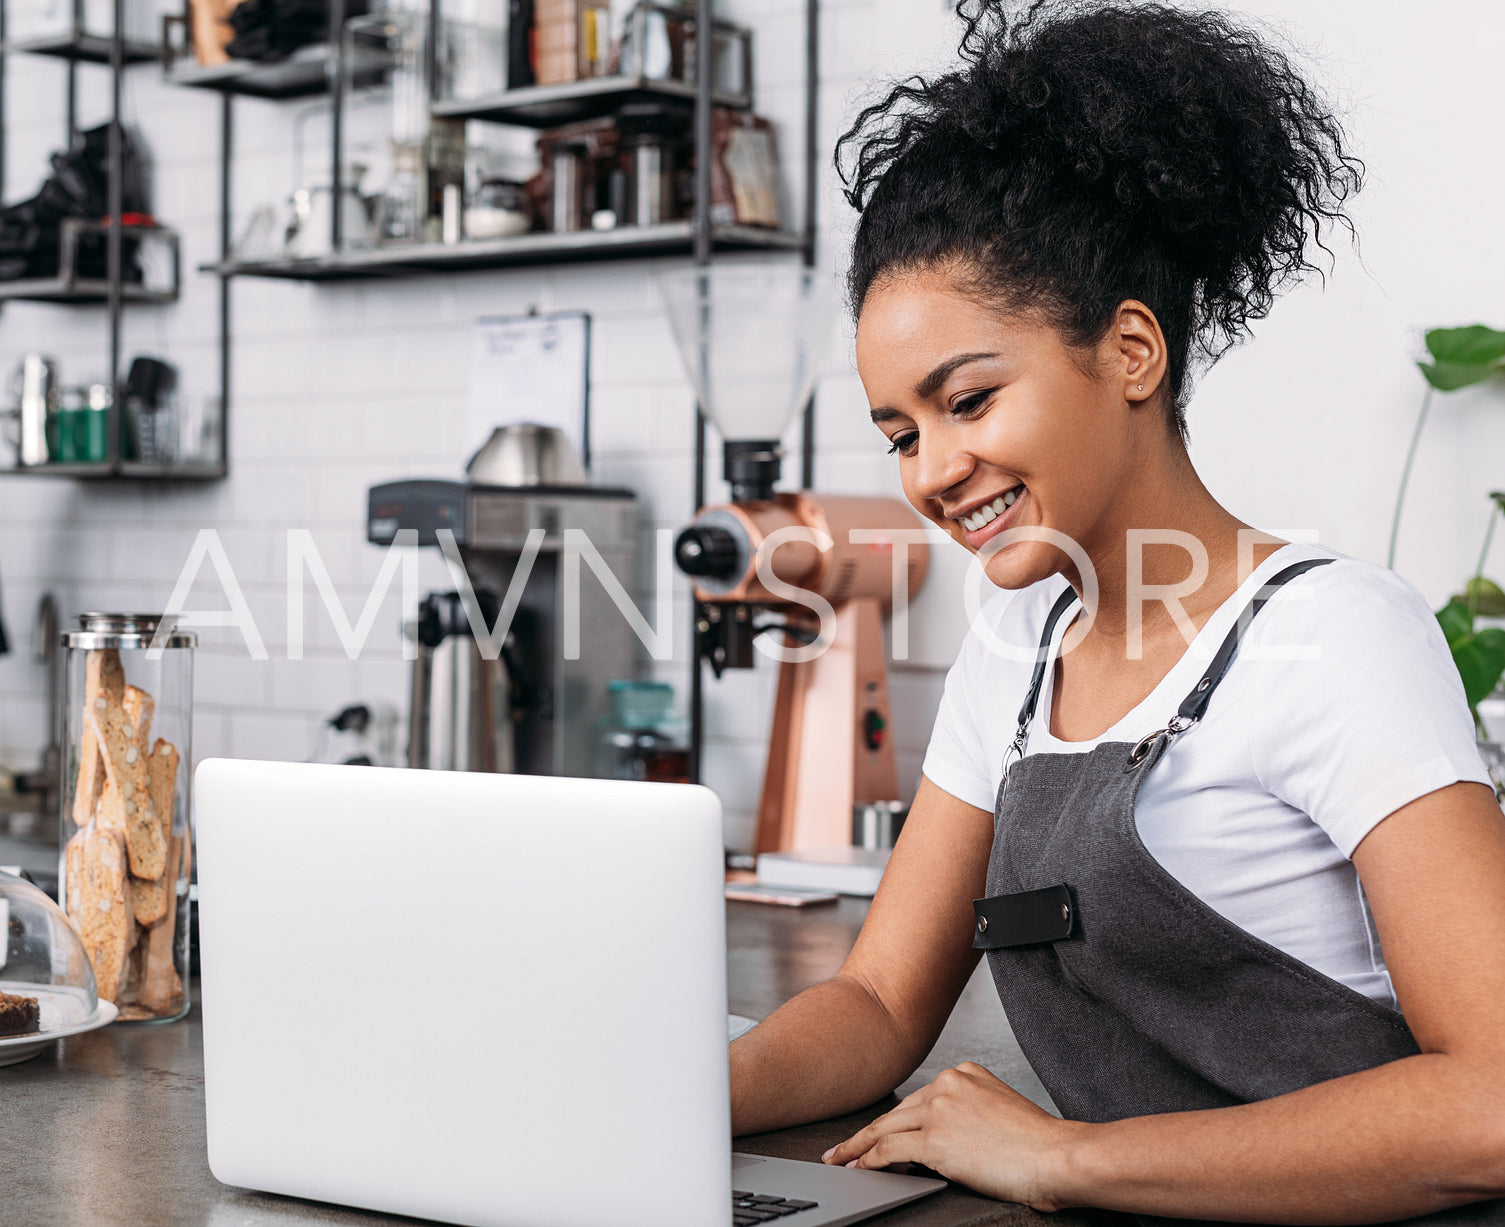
460	717
34	388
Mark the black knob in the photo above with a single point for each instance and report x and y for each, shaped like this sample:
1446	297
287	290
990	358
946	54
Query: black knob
705	551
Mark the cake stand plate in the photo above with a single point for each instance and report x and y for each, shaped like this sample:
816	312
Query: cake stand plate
17	1048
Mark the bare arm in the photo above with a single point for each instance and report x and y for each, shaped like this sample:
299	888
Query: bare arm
1402	1139
851	1040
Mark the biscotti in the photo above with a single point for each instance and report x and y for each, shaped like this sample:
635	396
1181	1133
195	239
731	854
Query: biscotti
103	675
149	900
139	709
161	781
125	804
161	986
103	916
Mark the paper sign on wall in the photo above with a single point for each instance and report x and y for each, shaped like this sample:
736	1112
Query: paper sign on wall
531	368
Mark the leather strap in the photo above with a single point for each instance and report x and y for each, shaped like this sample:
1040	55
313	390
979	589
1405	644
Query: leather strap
1042	656
1195	704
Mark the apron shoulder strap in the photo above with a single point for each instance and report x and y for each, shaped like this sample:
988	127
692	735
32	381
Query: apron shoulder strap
1026	713
1063	603
1195	704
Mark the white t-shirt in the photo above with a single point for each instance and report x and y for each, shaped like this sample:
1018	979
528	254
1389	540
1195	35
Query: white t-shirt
1342	705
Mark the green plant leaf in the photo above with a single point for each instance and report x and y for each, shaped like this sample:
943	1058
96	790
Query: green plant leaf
1456	623
1483	596
1462	356
1479	655
1475	345
1480	658
1450	376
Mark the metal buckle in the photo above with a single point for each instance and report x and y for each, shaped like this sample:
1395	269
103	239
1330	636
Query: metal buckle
1012	755
1178	724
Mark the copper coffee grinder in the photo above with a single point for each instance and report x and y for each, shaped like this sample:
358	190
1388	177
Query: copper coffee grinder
768	561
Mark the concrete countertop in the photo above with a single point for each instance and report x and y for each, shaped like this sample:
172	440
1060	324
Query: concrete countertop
108	1128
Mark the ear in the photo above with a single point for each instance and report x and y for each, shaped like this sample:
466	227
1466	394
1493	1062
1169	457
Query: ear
1136	352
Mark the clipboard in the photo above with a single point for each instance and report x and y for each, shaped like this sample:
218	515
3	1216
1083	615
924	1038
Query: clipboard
531	368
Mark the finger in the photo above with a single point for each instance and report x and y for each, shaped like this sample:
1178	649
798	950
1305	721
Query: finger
905	1146
898	1120
979	1075
860	1141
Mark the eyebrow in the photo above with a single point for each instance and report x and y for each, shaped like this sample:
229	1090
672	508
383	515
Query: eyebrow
931	384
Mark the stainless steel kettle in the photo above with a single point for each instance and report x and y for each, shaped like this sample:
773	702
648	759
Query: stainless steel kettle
461	712
526	454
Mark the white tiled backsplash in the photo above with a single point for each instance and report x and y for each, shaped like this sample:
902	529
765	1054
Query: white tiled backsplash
341	386
338	387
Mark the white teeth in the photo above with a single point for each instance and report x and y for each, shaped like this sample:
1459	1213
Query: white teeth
989	512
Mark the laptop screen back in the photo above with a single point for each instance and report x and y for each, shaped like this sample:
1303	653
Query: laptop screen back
482	999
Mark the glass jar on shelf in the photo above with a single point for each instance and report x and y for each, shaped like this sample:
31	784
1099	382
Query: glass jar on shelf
470	53
125	828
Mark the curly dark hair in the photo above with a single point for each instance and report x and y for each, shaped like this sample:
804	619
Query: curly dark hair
1093	151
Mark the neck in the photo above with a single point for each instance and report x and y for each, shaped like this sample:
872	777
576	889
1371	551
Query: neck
1170	556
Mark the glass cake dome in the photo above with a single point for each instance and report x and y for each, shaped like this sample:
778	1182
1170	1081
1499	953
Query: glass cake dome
47	986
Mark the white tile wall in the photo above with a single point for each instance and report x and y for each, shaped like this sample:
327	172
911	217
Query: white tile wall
339	387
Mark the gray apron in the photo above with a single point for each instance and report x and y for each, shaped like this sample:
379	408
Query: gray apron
1128	995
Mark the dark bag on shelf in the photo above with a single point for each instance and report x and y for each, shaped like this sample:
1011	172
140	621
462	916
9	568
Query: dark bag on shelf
273	29
31	231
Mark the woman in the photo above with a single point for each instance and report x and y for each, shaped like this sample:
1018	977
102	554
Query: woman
1242	878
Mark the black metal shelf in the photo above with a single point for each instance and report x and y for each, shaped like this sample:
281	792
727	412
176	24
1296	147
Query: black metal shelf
81	47
547	106
77	293
300	75
669	239
144	281
135	470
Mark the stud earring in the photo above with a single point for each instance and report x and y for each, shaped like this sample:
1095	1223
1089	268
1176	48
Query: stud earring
1141	387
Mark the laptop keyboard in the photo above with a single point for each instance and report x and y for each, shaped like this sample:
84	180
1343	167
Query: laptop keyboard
750	1208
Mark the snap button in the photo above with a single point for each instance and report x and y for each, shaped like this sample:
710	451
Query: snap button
1204	683
982	924
1065	911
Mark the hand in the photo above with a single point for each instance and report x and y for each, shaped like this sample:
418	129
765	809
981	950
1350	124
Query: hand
974	1129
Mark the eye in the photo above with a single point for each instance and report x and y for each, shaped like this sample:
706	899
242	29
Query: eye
975	403
904	442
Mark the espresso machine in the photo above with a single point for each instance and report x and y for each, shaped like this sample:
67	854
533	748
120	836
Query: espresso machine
512	701
751	338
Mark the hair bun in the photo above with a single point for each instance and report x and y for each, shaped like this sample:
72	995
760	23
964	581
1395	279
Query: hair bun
1100	127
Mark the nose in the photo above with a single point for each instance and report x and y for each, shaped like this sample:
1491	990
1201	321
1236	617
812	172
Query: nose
939	465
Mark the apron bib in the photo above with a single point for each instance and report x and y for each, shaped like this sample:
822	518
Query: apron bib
1130	996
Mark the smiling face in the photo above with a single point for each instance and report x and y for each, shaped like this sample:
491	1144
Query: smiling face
997	424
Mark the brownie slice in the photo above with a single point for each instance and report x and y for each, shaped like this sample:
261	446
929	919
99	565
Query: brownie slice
18	1015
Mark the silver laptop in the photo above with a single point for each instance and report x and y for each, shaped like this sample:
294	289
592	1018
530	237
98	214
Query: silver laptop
481	999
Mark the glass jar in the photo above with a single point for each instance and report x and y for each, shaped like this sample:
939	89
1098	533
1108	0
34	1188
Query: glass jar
125	833
638	740
471	53
498	209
